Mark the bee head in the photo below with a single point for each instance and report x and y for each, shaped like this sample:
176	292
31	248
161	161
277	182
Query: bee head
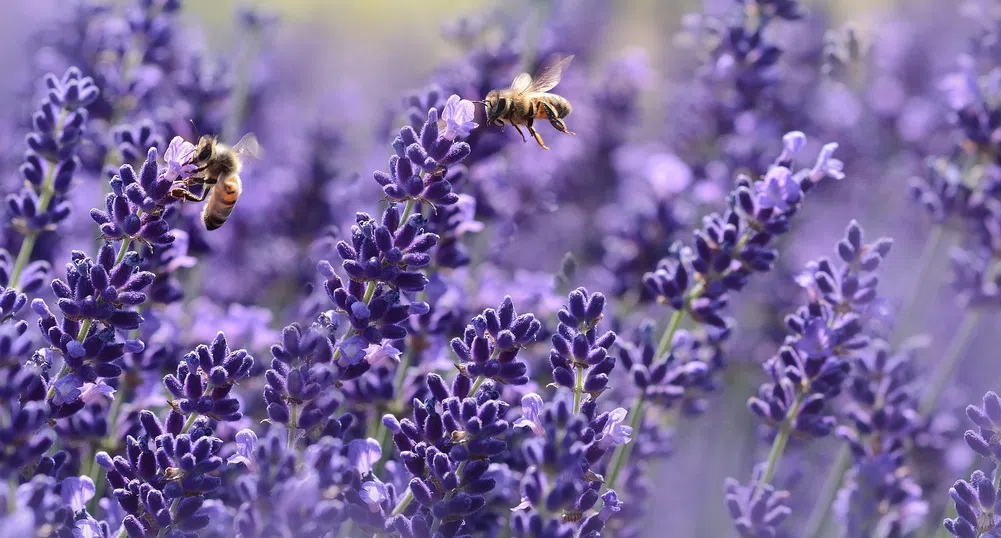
495	106
204	150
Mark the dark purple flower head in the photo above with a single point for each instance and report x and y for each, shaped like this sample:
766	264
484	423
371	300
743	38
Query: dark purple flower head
418	171
132	141
986	439
375	312
103	290
205	379
162	479
447	446
134	207
560	484
757	509
879	494
733	245
491	342
666	378
813	365
302	376
579	358
50	162
977	503
389	251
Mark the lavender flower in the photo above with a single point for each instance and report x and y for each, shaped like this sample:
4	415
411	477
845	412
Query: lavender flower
205	379
419	169
490	344
134	208
579	358
389	251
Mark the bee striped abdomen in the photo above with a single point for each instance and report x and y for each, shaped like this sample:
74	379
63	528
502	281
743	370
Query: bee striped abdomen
552	104
221	202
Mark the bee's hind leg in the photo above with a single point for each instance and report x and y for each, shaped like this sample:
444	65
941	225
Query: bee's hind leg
535	134
523	139
555	120
185	194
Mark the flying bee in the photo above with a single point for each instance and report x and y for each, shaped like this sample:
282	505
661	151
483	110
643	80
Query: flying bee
217	164
527	100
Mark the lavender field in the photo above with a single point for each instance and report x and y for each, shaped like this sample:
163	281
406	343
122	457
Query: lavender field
288	270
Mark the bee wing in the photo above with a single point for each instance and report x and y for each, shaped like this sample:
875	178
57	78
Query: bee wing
521	83
550	76
248	148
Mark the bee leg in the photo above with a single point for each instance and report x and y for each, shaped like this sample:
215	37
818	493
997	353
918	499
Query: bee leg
185	194
555	120
537	137
523	139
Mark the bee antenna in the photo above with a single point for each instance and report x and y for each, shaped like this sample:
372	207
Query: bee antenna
195	127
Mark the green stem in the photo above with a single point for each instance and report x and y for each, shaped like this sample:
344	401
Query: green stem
672	327
945	368
448	496
578	389
476	385
821	508
407	210
404	503
917	289
189	422
623	451
123	249
369	292
778	447
48	192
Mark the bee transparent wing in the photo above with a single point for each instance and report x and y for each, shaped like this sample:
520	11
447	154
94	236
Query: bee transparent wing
521	83
248	148
550	76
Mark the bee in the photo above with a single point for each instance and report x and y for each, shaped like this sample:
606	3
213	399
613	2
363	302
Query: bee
527	100
217	164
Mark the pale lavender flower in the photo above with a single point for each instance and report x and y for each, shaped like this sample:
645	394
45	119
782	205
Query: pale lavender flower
87	528
611	505
363	454
246	450
92	392
352	350
466	216
373	494
176	156
827	165
531	409
615	431
457	117
68	389
76	491
380	354
793	141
